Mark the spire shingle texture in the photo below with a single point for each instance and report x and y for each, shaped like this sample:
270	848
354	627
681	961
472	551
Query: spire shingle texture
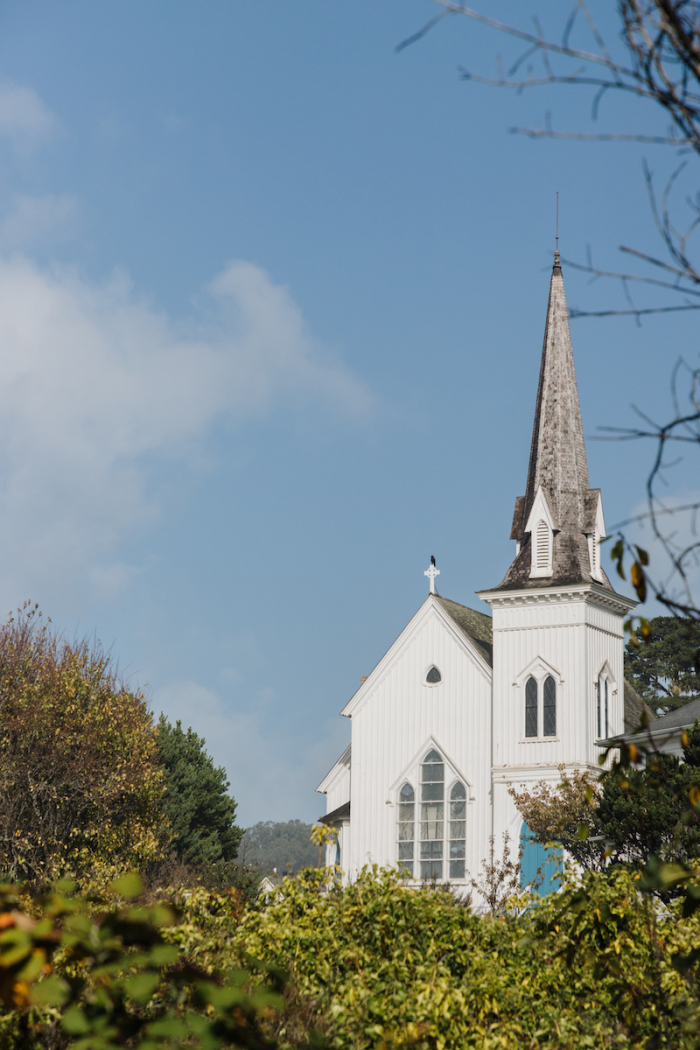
557	460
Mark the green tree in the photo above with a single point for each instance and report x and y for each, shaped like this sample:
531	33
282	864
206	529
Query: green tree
625	819
665	665
285	846
196	802
559	813
80	786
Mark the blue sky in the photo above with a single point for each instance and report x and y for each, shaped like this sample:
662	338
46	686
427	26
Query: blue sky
271	309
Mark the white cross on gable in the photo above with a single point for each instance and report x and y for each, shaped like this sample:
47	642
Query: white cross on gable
432	572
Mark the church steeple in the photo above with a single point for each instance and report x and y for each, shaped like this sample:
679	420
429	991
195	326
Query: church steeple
558	522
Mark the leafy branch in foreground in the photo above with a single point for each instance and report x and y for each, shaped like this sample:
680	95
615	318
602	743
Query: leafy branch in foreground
100	973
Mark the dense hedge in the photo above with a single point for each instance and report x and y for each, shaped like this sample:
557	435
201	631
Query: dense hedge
375	965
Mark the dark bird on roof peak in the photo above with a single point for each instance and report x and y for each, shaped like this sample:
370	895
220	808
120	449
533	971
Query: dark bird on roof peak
432	559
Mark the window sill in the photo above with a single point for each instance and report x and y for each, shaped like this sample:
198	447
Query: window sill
539	739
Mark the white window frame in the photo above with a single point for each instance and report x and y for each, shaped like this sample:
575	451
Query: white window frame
412	776
540	670
603	701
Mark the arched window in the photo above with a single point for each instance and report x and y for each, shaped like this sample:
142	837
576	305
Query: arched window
549	707
433	676
432	815
458	830
599	719
407	828
603	707
531	707
543	536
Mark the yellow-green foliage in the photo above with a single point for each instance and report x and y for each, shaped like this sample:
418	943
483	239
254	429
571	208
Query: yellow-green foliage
383	965
79	781
376	965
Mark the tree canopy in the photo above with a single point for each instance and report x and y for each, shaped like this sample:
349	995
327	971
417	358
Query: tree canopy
285	846
665	665
624	820
80	786
196	800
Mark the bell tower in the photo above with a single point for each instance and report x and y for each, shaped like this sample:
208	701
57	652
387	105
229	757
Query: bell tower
558	633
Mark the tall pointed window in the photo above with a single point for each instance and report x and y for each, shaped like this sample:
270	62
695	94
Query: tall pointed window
458	830
531	707
549	707
407	828
432	815
599	719
603	707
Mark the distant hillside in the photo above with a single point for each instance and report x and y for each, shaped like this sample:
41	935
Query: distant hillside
286	847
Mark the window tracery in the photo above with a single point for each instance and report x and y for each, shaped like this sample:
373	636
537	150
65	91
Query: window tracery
431	828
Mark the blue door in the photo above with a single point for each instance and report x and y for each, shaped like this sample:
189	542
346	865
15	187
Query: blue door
535	857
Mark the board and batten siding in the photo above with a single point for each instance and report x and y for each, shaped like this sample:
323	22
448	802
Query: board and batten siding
571	634
400	717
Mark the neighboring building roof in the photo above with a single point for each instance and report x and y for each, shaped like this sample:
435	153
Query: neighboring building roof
336	816
682	718
557	461
477	626
635	708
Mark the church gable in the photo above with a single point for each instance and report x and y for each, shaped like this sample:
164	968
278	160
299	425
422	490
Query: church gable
439	626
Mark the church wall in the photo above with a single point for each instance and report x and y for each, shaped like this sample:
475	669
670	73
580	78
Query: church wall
400	720
570	638
338	792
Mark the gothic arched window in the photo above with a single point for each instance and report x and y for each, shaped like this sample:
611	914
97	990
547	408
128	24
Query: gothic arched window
531	707
407	828
458	830
549	707
432	815
603	707
433	676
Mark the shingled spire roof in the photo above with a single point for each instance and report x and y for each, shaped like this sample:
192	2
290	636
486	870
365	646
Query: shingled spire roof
557	462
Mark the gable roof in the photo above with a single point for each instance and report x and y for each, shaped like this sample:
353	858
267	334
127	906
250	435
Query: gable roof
635	708
477	626
682	718
557	461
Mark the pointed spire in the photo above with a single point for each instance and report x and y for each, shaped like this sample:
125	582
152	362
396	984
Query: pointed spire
558	454
558	468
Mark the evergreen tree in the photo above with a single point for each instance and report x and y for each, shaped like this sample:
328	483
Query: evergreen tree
665	670
196	800
285	846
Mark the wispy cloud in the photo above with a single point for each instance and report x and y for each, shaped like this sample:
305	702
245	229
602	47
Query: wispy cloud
97	387
35	220
24	118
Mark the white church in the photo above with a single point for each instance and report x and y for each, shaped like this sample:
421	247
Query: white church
465	705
